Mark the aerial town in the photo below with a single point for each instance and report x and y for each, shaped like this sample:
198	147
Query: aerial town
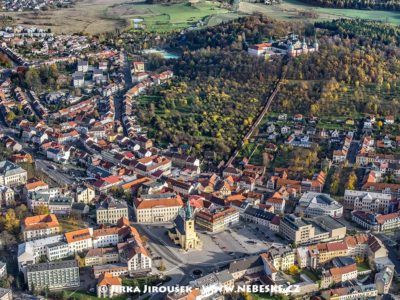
106	194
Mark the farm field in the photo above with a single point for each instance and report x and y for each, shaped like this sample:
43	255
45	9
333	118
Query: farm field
164	18
98	16
86	16
291	10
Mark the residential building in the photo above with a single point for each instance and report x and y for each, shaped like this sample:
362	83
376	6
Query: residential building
58	251
153	208
277	203
367	201
117	269
30	252
109	286
355	292
105	237
315	255
376	222
247	266
40	226
281	258
213	284
3	269
83	66
339	274
79	240
53	275
216	220
101	256
11	174
110	211
260	216
7	196
135	255
85	194
6	294
383	280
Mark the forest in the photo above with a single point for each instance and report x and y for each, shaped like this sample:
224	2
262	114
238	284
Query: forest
214	100
393	5
219	89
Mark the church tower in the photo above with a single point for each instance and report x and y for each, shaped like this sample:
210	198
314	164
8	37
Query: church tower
304	47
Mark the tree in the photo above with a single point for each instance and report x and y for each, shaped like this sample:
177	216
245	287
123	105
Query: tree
359	259
21	211
6	282
10	221
32	79
351	181
334	187
10	116
117	191
246	296
162	266
8	239
293	270
41	210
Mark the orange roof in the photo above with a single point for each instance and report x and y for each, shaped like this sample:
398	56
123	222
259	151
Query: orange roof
40	222
105	231
267	261
34	185
337	246
112	179
261	46
132	183
159	202
77	235
109	279
383	218
339	271
238	197
353	241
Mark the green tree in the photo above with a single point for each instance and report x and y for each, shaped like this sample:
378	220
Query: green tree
351	181
41	210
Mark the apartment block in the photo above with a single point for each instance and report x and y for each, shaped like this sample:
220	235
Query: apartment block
53	275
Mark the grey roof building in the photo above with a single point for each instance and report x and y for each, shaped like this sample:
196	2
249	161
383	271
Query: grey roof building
53	275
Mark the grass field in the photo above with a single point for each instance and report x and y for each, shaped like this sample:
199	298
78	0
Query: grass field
290	10
164	18
96	16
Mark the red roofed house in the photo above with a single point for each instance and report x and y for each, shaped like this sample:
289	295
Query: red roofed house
108	286
40	226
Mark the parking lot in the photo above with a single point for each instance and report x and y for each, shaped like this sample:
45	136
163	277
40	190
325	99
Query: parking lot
235	242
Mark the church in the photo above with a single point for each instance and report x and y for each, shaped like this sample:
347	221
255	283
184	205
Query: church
183	233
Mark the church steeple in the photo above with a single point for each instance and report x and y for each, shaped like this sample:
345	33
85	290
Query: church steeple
315	45
188	211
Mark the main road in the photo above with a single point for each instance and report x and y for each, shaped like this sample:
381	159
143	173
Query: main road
118	98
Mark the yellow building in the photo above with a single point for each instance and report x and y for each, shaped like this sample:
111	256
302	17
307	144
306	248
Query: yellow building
183	233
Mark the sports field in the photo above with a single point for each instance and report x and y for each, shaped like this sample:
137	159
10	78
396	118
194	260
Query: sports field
290	10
